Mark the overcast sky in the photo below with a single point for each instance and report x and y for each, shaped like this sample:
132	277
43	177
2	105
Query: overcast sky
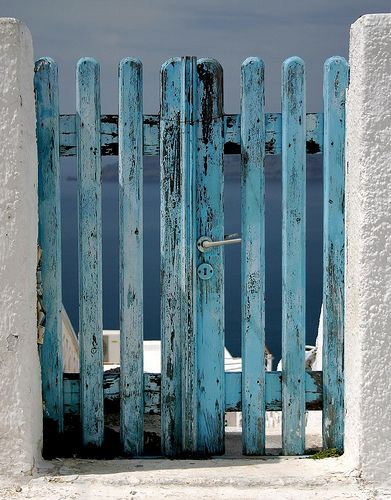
228	30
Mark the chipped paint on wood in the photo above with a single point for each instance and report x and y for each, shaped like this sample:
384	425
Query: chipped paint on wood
253	256
171	237
109	134
188	165
334	88
90	250
49	235
130	141
209	221
233	391
191	134
293	256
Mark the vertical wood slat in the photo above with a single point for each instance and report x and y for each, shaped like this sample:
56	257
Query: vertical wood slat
293	256
130	141
49	235
188	138
210	292
90	251
334	87
171	234
253	256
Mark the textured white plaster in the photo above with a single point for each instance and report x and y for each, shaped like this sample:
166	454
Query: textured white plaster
20	385
368	244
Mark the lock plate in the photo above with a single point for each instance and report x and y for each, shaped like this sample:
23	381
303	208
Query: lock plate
205	271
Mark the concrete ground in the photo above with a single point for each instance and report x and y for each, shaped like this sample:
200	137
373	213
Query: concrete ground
269	477
230	476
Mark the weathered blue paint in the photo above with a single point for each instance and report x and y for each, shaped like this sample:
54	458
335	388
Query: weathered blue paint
210	293
253	256
171	238
334	87
188	137
192	133
49	235
109	134
90	250
293	256
130	141
233	391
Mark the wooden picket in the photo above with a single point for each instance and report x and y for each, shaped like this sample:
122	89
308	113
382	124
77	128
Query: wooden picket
130	141
192	134
171	237
334	88
253	257
90	251
49	235
209	222
293	256
188	341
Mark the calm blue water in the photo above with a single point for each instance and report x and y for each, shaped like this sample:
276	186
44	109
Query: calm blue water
232	254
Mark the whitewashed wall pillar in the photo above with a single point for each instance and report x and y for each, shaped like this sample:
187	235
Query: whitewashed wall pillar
368	239
20	384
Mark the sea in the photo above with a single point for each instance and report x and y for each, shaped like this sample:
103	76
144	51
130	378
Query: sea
110	234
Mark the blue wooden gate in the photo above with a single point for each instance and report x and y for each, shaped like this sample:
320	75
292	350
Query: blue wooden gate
191	135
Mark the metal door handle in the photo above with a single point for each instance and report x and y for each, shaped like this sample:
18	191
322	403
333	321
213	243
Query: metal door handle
205	243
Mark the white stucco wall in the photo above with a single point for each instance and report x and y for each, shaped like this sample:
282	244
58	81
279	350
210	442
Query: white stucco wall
20	385
368	245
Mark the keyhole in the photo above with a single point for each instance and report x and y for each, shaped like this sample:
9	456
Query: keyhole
205	271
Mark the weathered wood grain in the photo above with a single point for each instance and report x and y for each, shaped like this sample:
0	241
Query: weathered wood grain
293	256
49	235
334	87
233	391
209	222
90	250
130	140
253	255
109	134
189	341
171	238
191	135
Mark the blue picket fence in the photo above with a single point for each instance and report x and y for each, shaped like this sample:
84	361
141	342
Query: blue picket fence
191	135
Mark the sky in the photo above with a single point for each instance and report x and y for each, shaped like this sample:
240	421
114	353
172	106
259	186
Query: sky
152	30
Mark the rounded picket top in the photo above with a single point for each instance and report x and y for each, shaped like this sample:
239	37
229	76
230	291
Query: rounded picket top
130	72
131	62
210	88
293	67
46	85
88	73
212	64
170	88
294	61
255	62
172	62
335	76
44	63
293	77
88	86
87	61
335	61
252	77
